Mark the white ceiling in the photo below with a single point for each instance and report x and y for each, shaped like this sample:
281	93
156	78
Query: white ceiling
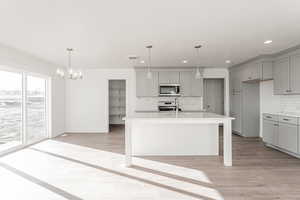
104	33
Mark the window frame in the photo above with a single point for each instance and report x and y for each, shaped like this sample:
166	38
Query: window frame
23	137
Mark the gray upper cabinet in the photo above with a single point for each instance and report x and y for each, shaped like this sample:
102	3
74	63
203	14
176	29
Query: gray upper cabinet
168	77
251	72
267	71
286	73
295	74
189	85
257	71
281	75
146	87
236	83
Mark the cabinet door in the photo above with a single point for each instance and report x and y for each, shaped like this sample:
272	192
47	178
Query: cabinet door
236	113
189	85
231	89
267	71
246	72
281	76
288	137
168	77
270	130
236	80
255	69
251	71
295	74
146	87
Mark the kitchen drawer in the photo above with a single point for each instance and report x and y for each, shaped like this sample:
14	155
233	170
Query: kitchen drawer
270	117
287	119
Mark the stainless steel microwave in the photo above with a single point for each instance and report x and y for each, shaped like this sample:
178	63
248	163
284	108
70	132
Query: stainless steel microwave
169	90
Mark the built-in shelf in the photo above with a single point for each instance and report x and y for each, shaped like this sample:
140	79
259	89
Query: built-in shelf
117	99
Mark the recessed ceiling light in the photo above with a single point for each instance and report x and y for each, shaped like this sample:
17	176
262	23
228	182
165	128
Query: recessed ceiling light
184	61
133	57
228	61
142	61
268	41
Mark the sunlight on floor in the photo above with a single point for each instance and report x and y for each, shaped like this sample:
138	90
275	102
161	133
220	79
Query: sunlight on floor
16	187
9	145
92	174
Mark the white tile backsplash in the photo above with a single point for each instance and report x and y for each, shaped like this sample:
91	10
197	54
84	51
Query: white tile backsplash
150	103
290	103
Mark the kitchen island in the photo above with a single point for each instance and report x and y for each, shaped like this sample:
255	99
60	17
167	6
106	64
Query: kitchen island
176	134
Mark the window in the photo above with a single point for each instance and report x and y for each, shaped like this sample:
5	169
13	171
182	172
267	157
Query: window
10	109
36	125
23	114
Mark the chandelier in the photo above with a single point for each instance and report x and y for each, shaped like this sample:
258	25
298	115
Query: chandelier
71	73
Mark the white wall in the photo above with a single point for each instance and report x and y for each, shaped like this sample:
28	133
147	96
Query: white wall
268	101
11	58
87	99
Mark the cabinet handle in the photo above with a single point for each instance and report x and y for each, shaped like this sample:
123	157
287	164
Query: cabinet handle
268	117
276	125
286	119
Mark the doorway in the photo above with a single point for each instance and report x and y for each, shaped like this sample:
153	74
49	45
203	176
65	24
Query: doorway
117	103
213	95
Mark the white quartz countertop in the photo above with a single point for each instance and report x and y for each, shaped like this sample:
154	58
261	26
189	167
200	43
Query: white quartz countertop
180	115
288	114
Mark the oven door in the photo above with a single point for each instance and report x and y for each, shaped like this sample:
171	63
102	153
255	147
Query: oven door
166	108
169	90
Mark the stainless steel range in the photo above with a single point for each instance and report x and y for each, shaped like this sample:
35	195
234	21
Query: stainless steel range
168	106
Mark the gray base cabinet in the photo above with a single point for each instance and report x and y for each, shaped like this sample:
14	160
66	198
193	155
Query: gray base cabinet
270	134
282	132
288	137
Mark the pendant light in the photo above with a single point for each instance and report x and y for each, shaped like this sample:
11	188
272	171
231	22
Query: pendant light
72	74
133	58
199	70
149	74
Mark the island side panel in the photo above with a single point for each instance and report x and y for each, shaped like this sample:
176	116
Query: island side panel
227	143
128	143
174	139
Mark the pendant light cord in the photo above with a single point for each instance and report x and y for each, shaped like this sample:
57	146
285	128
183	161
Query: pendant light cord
149	57
69	56
69	59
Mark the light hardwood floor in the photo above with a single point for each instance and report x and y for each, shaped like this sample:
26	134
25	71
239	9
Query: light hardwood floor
259	172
